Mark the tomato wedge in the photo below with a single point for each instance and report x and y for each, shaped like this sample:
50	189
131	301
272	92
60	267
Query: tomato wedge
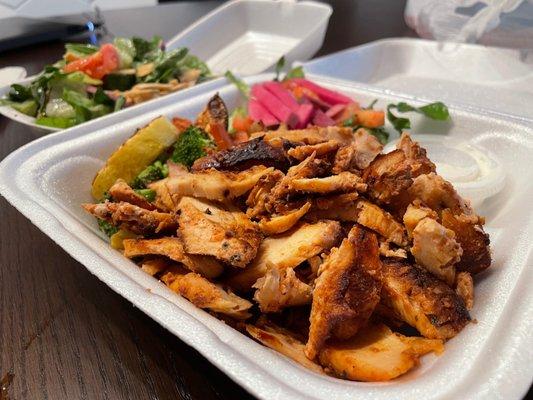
97	65
220	135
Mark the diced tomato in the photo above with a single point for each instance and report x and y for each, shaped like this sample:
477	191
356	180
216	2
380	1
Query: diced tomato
220	135
370	118
181	123
240	137
97	65
242	123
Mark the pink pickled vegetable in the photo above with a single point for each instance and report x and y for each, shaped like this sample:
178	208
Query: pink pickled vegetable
260	113
335	110
274	106
329	96
304	113
321	119
282	94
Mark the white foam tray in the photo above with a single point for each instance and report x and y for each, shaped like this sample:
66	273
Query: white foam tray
244	36
249	36
48	179
489	78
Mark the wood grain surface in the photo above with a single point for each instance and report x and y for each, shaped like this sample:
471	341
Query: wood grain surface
66	335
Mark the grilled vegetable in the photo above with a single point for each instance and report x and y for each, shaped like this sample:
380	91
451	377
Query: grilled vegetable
135	155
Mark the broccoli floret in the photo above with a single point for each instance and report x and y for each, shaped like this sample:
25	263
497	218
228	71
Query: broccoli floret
148	194
106	227
152	173
190	146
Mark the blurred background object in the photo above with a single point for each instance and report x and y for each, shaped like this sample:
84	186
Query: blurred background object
504	23
54	8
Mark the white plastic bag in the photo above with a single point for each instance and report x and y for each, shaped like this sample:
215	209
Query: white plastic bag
507	23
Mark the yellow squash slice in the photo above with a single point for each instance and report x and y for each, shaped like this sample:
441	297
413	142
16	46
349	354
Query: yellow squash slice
135	154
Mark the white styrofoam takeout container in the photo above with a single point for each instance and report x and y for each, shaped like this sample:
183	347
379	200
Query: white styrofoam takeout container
472	75
244	36
48	179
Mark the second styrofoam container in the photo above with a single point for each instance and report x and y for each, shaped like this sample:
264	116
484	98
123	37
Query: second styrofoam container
496	79
249	36
48	179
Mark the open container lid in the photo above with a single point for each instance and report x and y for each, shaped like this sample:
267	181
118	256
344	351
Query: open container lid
475	76
249	36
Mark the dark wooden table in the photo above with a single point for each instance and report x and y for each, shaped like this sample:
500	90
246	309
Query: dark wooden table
66	335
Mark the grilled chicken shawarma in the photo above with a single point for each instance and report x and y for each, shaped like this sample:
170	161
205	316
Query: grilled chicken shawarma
259	196
474	241
280	288
316	228
214	185
437	194
283	342
215	112
343	182
359	154
209	230
311	135
133	218
346	291
389	175
300	153
205	294
464	287
172	247
121	191
414	214
245	155
364	213
288	250
422	300
282	223
435	248
376	354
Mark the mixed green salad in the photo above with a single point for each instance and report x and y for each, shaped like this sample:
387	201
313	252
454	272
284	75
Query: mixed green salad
91	81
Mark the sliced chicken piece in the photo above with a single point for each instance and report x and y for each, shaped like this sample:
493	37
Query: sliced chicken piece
416	156
474	241
172	247
312	135
260	194
464	287
209	230
121	191
283	342
154	266
367	214
133	218
422	300
214	113
282	223
438	194
373	217
288	250
205	294
435	248
215	185
416	213
163	198
309	168
346	291
280	288
245	155
335	200
376	354
386	251
389	175
343	182
359	154
300	153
